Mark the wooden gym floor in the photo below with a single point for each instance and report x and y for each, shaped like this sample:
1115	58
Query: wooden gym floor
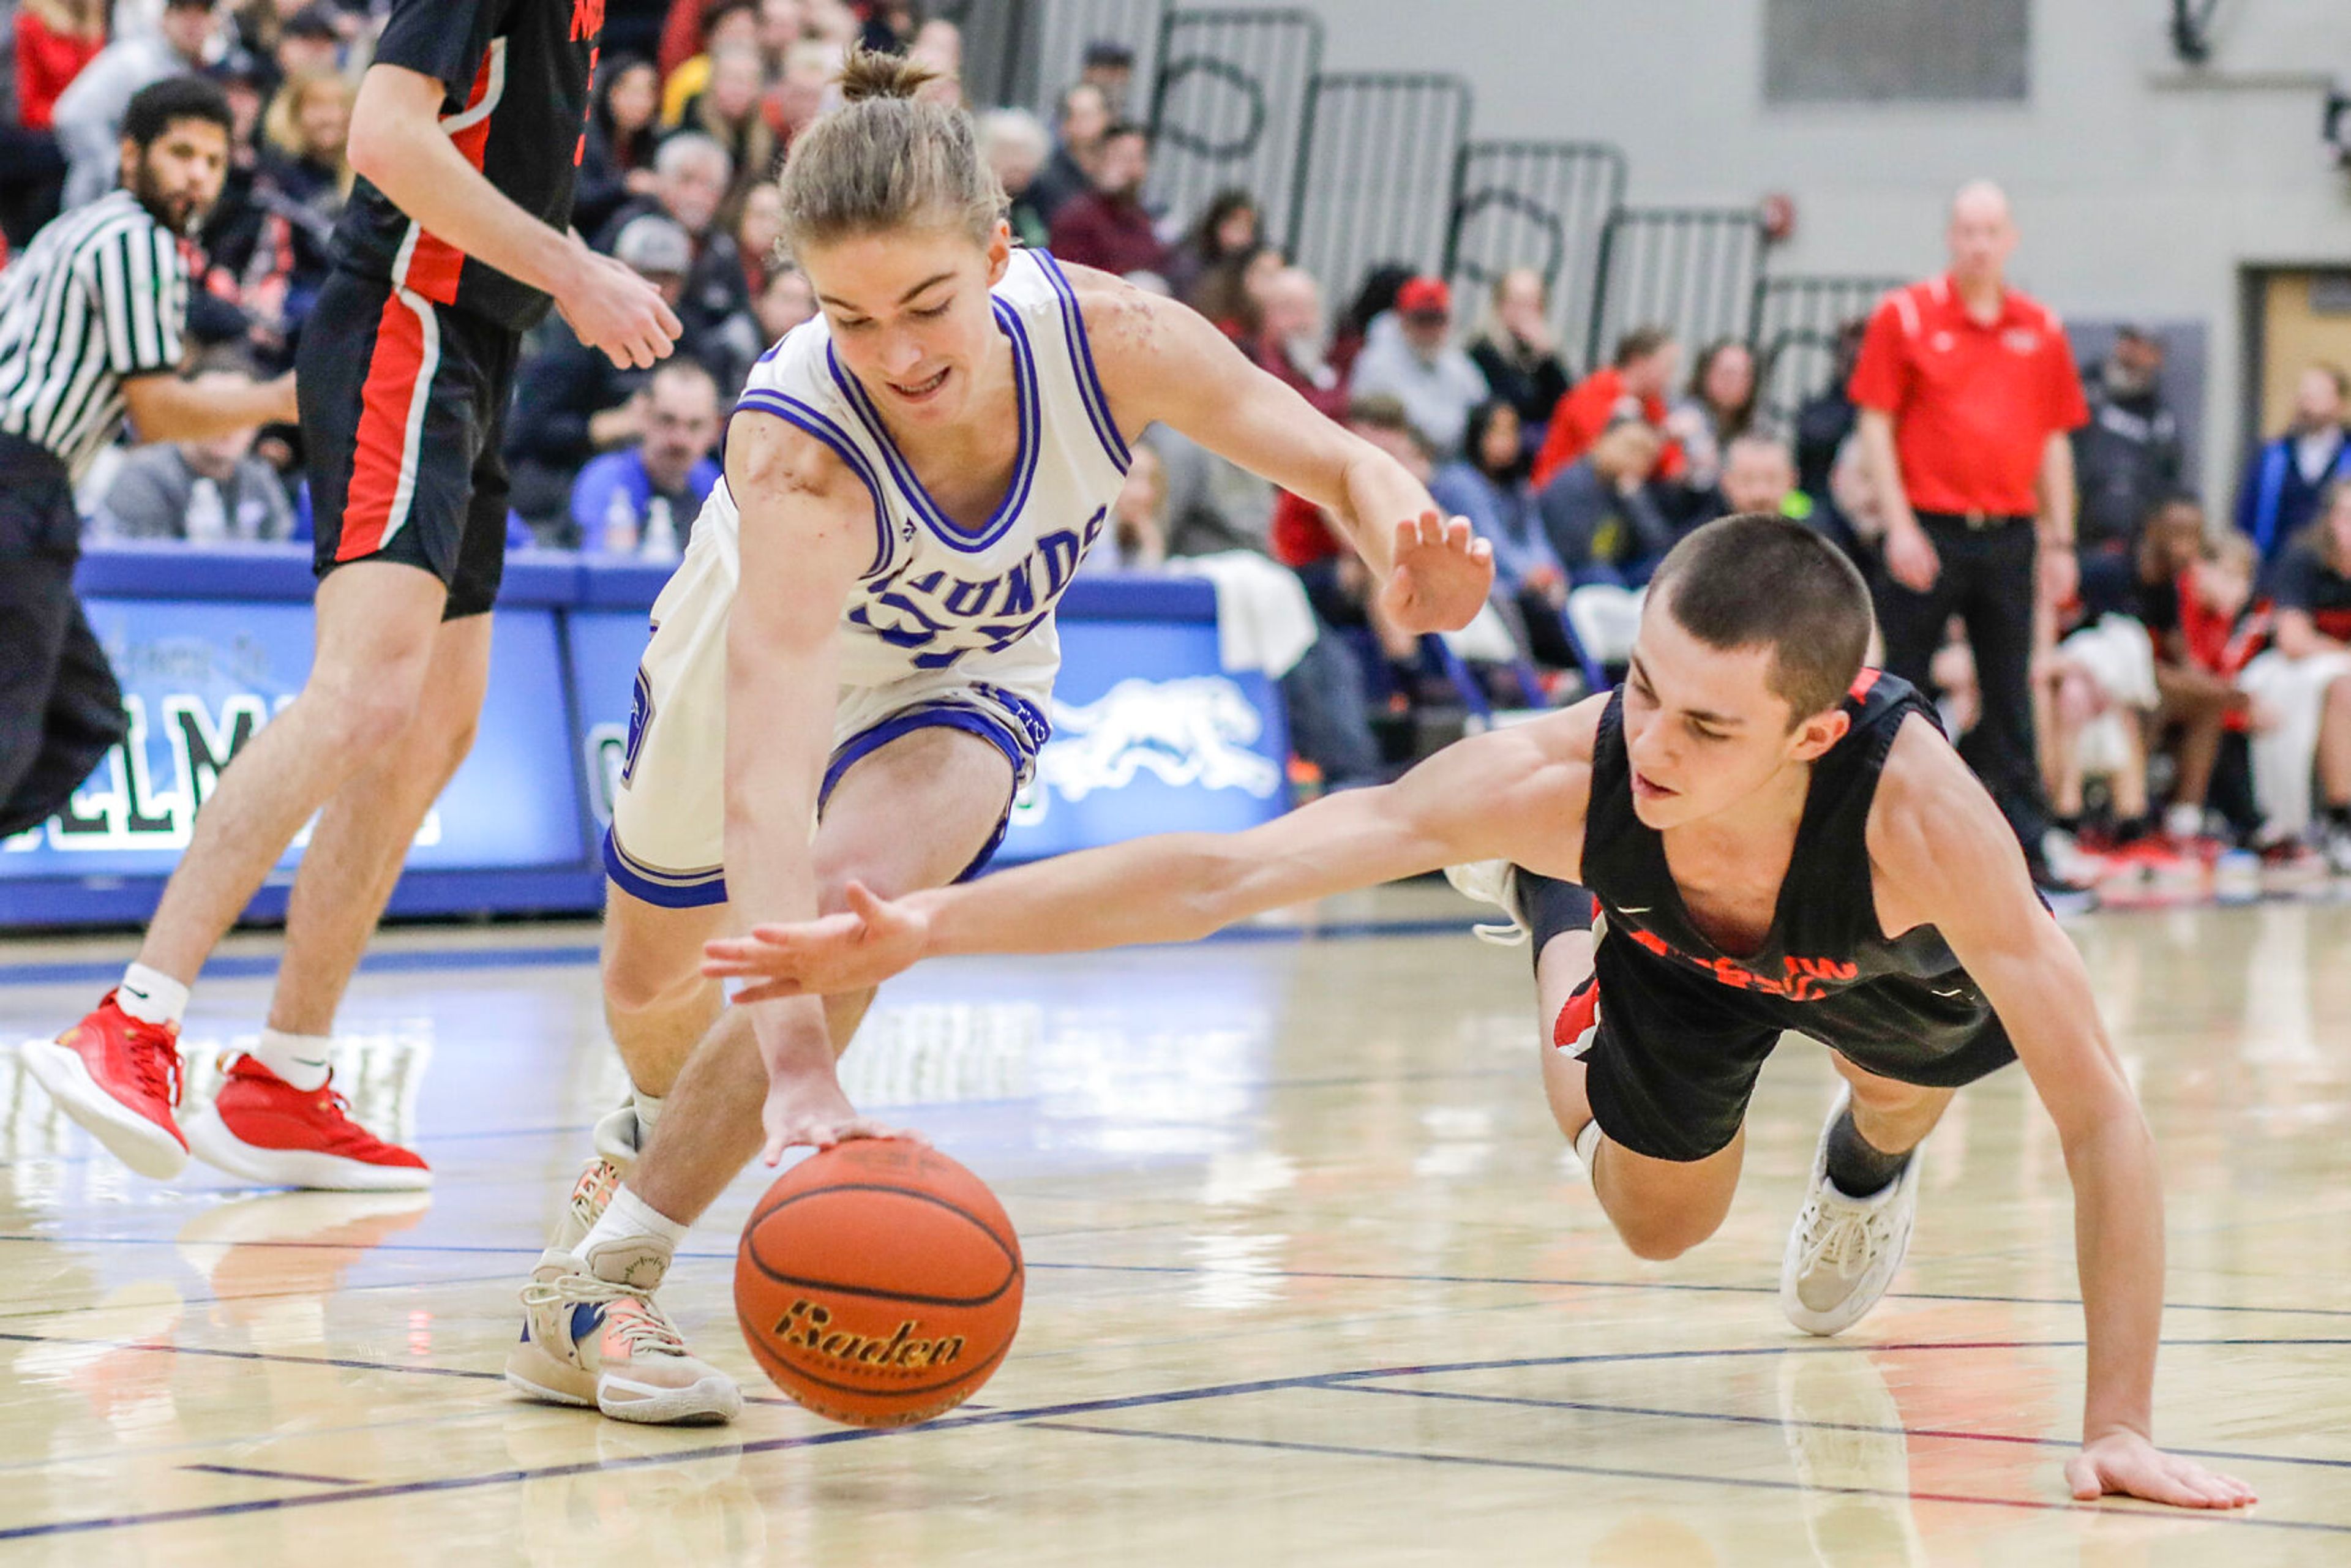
1311	1280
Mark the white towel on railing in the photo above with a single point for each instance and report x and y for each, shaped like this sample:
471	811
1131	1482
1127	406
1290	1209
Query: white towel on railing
1264	621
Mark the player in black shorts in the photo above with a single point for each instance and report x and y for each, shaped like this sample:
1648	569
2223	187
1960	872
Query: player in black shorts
466	136
1756	814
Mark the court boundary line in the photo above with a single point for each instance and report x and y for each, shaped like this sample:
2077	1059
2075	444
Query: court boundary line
1369	1277
1752	1483
1729	1418
1037	1415
274	1475
409	960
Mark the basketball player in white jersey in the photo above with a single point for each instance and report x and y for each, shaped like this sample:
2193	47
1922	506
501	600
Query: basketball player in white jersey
862	636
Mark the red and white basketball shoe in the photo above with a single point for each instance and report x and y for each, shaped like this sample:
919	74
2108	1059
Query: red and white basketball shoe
119	1078
263	1129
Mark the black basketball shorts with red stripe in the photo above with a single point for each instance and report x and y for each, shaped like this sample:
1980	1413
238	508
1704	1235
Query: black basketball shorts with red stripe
404	413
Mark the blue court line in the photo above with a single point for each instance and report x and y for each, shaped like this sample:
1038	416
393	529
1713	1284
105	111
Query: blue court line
412	960
274	1475
1032	1413
2234	1455
244	967
1751	1483
1038	1265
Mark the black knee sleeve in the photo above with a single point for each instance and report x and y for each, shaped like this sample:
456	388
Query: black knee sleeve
1553	906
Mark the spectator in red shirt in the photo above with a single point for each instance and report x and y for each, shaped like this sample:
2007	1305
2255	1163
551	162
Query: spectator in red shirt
1967	393
53	39
1107	226
1647	360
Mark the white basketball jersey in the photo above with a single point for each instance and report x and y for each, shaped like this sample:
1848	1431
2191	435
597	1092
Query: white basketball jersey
936	596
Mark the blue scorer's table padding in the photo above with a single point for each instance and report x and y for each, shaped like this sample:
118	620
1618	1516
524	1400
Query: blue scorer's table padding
1151	734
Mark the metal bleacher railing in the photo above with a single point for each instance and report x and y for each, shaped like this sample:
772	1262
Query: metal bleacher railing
1375	175
1794	334
1539	205
1229	107
1692	269
1355	169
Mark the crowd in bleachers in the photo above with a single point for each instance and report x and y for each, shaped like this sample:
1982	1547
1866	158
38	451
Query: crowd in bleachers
1582	476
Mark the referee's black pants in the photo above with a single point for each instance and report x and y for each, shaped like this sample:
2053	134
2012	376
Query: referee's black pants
1987	580
59	707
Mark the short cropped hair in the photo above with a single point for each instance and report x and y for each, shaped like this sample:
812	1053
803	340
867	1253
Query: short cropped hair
1640	343
1755	580
153	110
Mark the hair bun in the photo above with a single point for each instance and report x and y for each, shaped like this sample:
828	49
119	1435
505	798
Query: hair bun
869	73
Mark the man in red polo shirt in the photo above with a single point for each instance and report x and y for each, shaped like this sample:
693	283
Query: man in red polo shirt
1967	390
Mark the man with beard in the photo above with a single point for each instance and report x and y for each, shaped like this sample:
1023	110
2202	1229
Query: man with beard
90	321
455	241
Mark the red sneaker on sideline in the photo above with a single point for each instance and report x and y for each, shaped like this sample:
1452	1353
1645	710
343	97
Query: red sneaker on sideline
263	1129
119	1079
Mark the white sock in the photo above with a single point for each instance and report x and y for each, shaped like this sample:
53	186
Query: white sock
648	1109
150	995
299	1058
629	1221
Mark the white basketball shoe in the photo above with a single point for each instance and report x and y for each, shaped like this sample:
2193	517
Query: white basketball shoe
1842	1252
592	1334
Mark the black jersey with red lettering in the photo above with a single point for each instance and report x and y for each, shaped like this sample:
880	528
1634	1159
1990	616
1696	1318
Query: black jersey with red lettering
517	74
1825	968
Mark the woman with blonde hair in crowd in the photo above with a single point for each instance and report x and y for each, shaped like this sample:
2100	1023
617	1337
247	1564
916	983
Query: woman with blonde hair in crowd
298	191
1515	348
730	113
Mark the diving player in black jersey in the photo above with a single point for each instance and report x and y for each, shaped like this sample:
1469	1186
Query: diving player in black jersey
1777	838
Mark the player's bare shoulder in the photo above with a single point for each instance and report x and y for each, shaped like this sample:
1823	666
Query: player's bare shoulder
1532	784
1933	828
1147	349
770	462
786	483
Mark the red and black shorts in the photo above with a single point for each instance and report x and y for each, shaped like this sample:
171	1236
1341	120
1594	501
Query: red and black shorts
404	413
1671	1054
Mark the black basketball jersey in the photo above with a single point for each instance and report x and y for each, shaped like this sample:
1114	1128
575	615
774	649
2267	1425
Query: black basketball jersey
517	74
1825	967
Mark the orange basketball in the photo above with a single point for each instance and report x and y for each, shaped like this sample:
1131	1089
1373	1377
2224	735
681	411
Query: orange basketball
879	1282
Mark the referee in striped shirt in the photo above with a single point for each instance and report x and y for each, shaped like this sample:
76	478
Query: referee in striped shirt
90	318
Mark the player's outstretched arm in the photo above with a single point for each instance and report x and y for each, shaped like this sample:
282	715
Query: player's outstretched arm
1517	794
806	531
1942	853
1164	361
397	142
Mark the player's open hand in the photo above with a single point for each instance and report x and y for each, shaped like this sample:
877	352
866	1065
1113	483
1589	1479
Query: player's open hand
852	951
617	310
811	1110
1442	574
2128	1463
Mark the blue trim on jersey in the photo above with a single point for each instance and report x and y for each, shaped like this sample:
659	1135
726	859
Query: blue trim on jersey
1016	748
665	889
792	410
1082	360
1024	467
